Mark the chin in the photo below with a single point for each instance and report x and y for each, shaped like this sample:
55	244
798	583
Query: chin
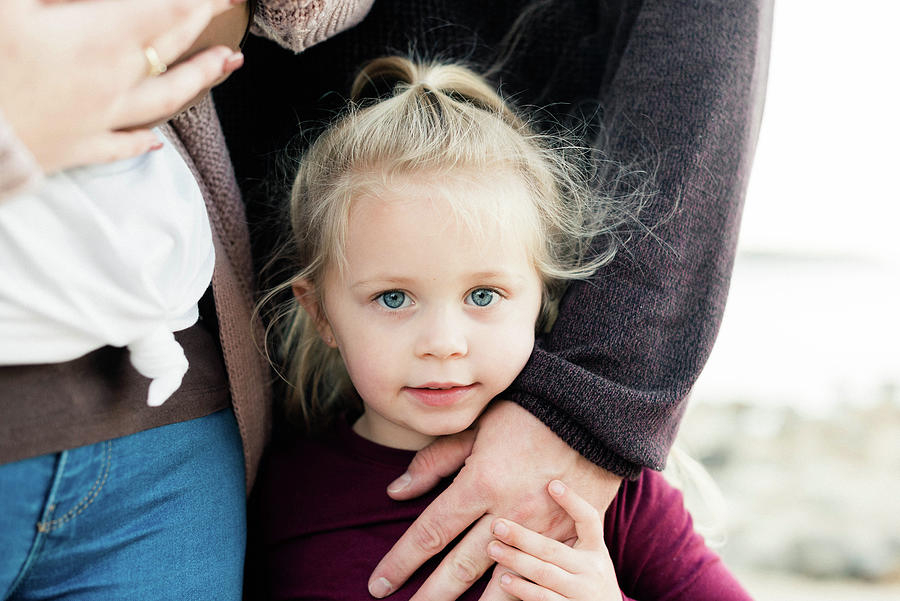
448	427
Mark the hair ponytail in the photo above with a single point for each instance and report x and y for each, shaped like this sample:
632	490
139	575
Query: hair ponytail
452	80
447	122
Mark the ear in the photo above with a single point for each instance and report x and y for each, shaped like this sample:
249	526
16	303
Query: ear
305	293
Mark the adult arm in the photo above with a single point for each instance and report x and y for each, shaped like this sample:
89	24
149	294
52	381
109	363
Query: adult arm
73	79
629	345
611	378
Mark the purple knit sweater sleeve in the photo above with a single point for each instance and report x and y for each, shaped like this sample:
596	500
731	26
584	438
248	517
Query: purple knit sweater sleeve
299	24
628	346
18	169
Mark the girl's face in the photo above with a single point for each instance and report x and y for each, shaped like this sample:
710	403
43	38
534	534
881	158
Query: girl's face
433	318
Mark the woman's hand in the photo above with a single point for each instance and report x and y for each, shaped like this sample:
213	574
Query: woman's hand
75	77
508	460
542	569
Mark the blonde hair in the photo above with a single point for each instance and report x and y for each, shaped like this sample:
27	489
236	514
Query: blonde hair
437	118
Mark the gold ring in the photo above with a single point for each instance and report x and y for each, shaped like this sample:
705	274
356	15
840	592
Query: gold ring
154	64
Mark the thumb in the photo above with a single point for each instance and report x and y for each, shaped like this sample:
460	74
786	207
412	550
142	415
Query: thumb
443	457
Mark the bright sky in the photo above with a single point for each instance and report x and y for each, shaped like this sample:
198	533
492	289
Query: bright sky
821	328
827	170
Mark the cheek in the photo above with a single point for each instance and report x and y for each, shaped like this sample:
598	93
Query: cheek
508	350
369	359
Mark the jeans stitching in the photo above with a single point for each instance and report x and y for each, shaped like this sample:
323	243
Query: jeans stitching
86	500
38	543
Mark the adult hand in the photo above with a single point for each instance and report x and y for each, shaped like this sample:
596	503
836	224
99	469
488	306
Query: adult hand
508	461
74	76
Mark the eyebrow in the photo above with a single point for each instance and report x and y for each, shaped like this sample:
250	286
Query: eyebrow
382	280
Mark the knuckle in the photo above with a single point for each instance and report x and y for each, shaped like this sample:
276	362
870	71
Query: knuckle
430	538
543	574
425	460
465	569
108	155
485	481
461	444
552	554
560	526
115	151
178	10
170	103
525	509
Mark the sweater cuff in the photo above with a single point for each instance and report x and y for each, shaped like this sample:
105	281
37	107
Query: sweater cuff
19	169
576	436
299	25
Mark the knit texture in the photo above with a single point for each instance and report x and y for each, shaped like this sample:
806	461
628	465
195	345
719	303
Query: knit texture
673	87
233	282
295	25
304	23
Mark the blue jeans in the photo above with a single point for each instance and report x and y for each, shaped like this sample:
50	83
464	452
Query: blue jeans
155	515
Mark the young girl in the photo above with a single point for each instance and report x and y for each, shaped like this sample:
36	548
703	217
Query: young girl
435	232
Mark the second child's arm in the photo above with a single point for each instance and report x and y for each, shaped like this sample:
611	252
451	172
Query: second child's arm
539	568
645	547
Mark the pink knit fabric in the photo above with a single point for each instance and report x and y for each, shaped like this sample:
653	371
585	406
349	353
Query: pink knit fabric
233	283
300	24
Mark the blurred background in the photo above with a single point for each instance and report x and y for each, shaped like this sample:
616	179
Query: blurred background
797	414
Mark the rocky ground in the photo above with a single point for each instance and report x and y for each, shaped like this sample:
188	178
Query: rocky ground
811	505
778	586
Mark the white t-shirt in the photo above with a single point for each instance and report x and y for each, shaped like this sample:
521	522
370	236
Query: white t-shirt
115	254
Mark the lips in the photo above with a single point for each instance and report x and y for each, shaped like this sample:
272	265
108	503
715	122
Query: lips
440	395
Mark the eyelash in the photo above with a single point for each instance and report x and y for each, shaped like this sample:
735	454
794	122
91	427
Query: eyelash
489	289
379	298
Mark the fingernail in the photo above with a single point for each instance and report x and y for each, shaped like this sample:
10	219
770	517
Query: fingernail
495	550
557	487
400	483
233	62
500	528
505	579
380	588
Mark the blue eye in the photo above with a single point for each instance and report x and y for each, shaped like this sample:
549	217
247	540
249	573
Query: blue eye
482	297
393	299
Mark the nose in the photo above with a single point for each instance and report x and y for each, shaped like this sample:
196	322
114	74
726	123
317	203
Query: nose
442	336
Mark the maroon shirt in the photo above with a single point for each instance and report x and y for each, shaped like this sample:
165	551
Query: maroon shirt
323	521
